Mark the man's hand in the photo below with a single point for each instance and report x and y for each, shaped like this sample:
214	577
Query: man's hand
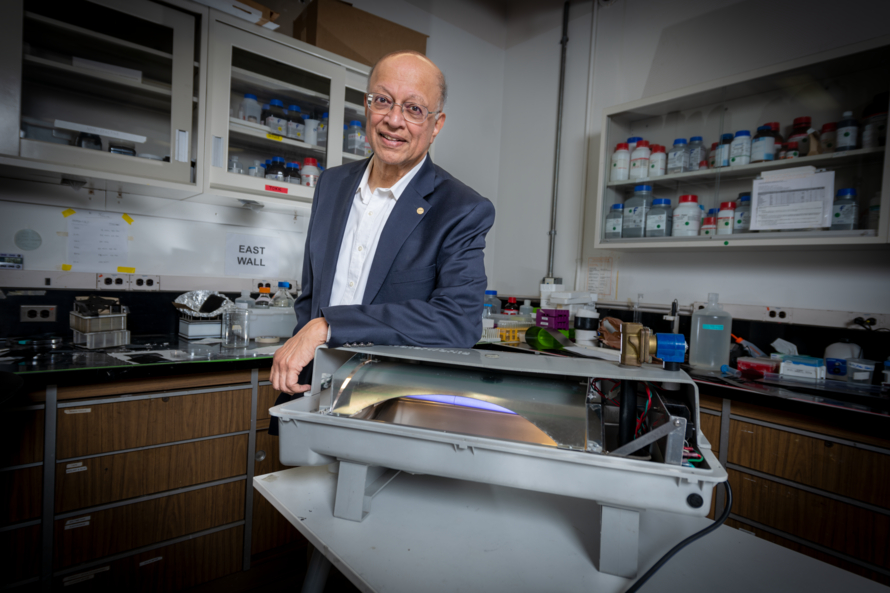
296	353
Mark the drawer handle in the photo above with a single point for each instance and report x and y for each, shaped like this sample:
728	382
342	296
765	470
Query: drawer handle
165	399
829	444
260	455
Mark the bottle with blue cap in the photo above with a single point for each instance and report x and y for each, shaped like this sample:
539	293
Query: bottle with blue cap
322	139
276	170
355	138
740	149
678	157
632	142
697	152
296	125
742	221
659	219
633	223
293	173
845	211
723	151
283	298
491	297
250	109
276	120
613	222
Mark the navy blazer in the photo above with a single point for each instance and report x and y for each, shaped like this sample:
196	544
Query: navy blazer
427	280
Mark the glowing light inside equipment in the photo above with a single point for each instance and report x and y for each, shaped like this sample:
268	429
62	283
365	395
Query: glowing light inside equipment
459	400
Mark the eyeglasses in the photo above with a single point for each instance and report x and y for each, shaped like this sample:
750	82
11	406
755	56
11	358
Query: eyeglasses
412	112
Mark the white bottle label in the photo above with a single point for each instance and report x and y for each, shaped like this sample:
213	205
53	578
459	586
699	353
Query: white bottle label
295	130
763	149
740	151
620	167
309	180
722	159
639	168
686	223
634	218
843	214
696	155
828	141
277	125
847	137
678	160
657	164
355	143
656	222
708	230
742	221
724	225
613	226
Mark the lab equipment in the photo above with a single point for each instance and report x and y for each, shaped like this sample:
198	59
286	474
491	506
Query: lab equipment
742	219
687	217
712	155
282	298
245	298
860	370
711	336
620	163
828	137
235	166
527	309
740	148
874	134
312	131
552	318
355	138
723	151
697	153
763	146
91	141
293	173
250	109
803	368
276	170
874	212
614	221
760	365
276	120
726	218
847	133
792	150
264	299
235	326
659	221
310	172
709	226
632	142
657	161
633	223
491	297
836	356
845	210
800	133
639	160
322	135
678	157
296	126
512	307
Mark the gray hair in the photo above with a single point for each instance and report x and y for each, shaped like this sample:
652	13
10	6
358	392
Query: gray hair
443	87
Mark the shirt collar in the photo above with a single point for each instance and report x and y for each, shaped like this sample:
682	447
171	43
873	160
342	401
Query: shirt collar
364	192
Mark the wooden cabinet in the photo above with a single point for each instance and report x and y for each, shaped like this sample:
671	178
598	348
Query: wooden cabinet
109	478
21	435
20	559
266	396
102	427
270	528
20	494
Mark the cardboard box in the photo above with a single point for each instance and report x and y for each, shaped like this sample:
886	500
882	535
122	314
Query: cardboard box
340	28
248	10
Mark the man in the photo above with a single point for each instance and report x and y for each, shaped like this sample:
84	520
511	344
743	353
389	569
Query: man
394	246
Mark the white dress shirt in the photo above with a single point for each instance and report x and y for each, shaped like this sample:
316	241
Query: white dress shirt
367	217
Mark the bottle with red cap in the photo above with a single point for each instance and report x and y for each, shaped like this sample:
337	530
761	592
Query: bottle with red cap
800	134
712	155
828	136
792	150
725	218
512	307
657	161
639	160
687	217
620	163
310	172
709	226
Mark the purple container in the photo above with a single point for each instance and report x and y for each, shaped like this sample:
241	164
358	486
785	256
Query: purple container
553	318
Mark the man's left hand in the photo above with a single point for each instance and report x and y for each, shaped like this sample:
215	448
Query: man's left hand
297	352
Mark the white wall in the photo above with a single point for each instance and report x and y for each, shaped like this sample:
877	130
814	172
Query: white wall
647	47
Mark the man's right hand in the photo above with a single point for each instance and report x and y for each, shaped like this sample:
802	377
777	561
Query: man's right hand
297	352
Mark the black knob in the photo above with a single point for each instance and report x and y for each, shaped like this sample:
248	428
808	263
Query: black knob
695	501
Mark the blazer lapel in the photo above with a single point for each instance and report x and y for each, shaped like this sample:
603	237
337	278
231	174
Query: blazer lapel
341	204
410	208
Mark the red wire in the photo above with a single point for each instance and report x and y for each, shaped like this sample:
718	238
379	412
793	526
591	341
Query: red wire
648	403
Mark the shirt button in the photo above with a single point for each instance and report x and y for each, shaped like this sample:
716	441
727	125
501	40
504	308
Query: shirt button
351	284
370	214
360	248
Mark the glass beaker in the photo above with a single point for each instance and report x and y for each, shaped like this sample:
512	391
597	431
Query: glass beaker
235	328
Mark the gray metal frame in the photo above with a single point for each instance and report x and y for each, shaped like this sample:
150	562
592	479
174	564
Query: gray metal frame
251	466
49	486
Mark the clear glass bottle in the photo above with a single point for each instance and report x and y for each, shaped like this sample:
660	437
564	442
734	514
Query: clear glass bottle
283	298
526	308
845	215
633	223
678	157
711	336
245	298
742	221
491	297
697	153
659	220
613	222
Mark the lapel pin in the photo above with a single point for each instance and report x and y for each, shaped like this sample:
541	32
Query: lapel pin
420	210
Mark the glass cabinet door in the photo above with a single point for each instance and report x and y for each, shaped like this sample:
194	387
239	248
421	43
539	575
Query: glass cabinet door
267	101
355	124
108	87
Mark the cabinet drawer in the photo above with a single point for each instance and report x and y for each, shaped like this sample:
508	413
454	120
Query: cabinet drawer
270	528
170	568
20	494
21	557
112	531
109	478
22	437
851	530
101	428
841	469
266	396
710	425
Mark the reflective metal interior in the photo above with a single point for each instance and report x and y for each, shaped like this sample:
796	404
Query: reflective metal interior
554	405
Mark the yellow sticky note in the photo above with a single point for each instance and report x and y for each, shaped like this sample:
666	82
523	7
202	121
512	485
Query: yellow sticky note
66	267
123	270
68	212
275	137
127	218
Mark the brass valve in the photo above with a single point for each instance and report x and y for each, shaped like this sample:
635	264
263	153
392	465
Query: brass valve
638	343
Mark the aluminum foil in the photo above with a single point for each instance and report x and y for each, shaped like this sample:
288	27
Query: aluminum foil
190	303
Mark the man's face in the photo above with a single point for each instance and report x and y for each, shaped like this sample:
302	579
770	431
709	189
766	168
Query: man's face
394	140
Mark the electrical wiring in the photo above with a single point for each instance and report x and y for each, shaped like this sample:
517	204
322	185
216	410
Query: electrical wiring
673	551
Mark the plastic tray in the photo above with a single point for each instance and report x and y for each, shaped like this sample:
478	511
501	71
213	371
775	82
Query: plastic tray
102	339
99	323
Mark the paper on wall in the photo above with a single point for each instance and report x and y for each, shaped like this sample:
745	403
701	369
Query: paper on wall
97	241
792	203
601	276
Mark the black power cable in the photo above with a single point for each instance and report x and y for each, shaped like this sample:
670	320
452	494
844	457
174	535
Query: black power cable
663	560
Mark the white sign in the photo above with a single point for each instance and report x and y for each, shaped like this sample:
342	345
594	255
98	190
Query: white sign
792	203
251	255
97	241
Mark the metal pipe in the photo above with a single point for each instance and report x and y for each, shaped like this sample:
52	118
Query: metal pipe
627	413
564	41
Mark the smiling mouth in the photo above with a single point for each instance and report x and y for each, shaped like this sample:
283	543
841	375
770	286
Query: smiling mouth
391	141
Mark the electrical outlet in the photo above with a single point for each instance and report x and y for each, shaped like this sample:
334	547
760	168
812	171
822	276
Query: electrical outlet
778	314
146	283
113	281
36	313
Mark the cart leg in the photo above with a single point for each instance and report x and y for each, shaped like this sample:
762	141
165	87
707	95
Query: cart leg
619	541
357	485
316	573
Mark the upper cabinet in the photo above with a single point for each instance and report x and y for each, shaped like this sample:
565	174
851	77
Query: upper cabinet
809	93
276	111
101	89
